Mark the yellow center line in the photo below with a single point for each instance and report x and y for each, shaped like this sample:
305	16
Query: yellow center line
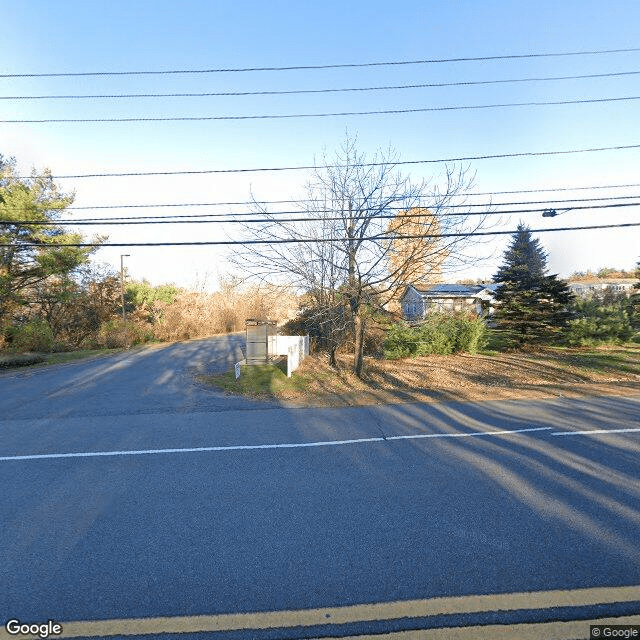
575	630
343	615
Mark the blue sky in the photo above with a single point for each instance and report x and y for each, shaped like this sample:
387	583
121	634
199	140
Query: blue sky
41	37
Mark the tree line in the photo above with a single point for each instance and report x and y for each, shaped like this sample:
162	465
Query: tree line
55	297
364	233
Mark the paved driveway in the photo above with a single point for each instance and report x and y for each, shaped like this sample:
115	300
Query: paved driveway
147	380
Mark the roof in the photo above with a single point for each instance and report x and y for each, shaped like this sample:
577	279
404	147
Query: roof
455	290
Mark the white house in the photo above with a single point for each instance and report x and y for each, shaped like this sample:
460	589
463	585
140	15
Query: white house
417	303
586	289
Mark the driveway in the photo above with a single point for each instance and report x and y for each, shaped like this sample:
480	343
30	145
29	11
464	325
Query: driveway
155	379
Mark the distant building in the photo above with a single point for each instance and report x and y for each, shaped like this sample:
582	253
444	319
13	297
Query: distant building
418	302
600	287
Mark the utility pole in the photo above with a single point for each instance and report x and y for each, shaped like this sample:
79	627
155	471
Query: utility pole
122	256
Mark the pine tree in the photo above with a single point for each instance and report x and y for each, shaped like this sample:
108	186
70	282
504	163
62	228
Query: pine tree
634	300
32	247
530	304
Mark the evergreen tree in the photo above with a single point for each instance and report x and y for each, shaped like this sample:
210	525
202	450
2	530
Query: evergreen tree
530	304
31	244
634	300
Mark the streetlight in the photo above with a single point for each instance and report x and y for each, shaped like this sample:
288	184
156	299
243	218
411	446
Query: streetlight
122	256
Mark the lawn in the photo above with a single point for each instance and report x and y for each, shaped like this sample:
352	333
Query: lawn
604	360
549	372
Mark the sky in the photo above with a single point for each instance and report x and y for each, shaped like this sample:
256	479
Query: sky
77	36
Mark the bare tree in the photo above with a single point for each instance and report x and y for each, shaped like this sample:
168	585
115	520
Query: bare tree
364	233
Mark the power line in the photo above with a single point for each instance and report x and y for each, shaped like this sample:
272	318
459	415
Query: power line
229	217
384	236
304	200
288	116
322	66
381	216
523	154
314	91
602	186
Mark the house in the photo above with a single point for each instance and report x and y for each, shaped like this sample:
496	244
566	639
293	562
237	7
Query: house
601	287
418	302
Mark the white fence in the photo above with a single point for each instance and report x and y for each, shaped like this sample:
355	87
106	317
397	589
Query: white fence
296	348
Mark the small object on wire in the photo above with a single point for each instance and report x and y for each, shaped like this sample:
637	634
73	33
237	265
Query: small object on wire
549	213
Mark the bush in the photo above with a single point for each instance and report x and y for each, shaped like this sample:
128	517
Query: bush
440	334
35	335
327	328
20	360
117	333
598	323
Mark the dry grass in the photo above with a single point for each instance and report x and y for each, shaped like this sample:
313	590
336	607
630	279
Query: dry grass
199	314
552	373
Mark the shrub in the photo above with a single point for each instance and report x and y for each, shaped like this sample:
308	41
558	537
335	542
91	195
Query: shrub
35	335
328	328
441	333
20	360
117	333
598	323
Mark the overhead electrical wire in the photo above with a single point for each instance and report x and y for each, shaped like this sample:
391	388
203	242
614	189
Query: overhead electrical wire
229	217
494	156
231	220
322	66
384	236
265	202
287	116
601	186
314	91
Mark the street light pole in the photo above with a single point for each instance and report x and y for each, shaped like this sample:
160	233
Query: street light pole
122	256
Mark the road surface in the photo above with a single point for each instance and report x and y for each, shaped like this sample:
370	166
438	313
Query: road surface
135	500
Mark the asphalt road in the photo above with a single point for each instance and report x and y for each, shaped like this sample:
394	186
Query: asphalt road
128	492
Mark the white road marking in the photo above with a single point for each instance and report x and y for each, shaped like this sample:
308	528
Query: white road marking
464	435
592	431
250	447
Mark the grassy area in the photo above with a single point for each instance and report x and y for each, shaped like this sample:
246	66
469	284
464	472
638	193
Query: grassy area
603	360
497	341
69	356
15	360
547	372
264	380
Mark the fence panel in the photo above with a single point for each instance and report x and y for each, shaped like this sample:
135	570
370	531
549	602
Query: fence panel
263	345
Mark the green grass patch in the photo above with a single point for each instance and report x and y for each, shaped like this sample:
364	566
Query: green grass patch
623	359
498	340
260	380
69	356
